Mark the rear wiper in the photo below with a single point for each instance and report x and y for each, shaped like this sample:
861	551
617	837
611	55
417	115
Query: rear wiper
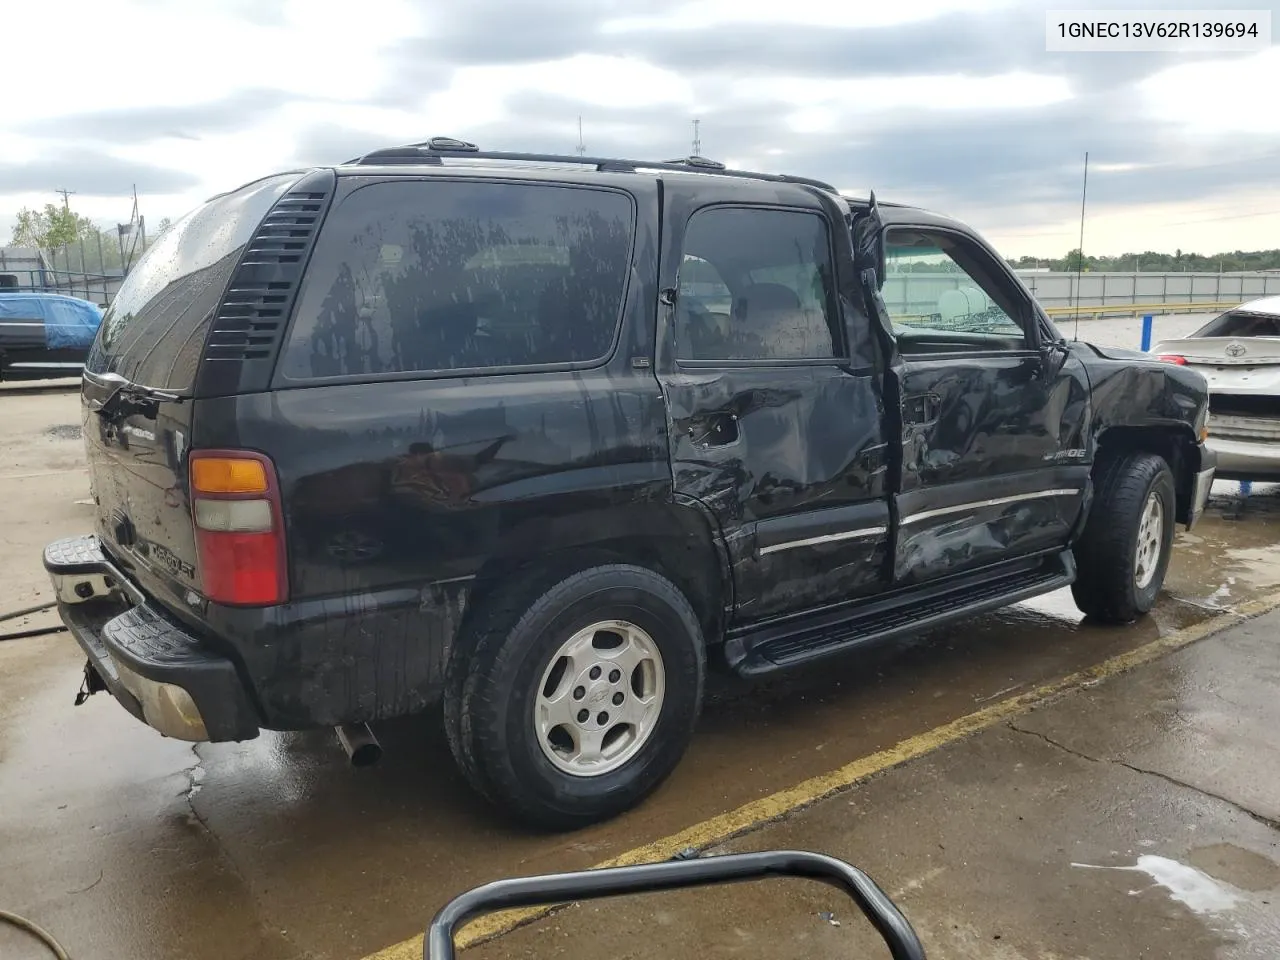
127	399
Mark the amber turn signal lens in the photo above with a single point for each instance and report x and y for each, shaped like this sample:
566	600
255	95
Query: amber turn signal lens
227	475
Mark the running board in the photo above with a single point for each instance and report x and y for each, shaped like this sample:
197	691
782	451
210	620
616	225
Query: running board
781	646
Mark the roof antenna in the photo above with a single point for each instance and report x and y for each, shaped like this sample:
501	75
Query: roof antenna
582	147
697	141
1084	193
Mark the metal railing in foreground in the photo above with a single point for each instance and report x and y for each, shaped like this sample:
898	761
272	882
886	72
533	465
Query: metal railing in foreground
559	888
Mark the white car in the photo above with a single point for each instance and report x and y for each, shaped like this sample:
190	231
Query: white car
1238	352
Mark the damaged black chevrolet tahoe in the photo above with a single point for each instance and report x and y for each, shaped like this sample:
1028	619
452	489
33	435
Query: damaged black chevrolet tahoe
541	439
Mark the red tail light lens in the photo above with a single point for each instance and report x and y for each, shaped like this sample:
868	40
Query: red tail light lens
1172	358
235	507
241	569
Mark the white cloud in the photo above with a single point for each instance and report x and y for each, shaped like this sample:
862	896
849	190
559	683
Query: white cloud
921	92
1234	220
1215	97
705	14
150	53
260	84
478	95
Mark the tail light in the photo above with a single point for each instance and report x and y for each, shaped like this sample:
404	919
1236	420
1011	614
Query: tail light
1172	358
235	506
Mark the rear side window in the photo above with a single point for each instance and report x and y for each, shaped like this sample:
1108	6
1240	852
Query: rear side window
756	284
153	333
437	276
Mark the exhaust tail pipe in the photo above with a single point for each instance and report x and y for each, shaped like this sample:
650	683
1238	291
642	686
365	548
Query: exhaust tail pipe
363	749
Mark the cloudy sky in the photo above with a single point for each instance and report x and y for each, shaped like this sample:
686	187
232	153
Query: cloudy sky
951	104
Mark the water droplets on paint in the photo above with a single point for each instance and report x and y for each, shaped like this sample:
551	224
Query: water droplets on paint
1193	888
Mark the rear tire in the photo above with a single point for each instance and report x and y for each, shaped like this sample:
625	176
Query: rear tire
1123	554
569	705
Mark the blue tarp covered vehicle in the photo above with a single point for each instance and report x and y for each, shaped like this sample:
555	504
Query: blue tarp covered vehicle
45	335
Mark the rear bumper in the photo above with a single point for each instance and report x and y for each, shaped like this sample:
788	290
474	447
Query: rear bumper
157	671
1246	459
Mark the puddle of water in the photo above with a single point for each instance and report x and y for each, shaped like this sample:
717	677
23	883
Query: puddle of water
1258	566
1059	605
1237	866
1195	889
1234	553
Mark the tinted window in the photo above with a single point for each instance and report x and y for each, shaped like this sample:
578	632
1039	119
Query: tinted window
759	285
154	331
446	275
701	285
1241	324
935	283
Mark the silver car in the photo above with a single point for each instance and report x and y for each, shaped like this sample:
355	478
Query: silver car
1238	352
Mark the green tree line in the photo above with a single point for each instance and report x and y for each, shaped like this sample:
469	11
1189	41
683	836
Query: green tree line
73	242
1150	261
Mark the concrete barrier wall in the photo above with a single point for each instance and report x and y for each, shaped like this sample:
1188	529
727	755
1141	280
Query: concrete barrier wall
1108	289
920	293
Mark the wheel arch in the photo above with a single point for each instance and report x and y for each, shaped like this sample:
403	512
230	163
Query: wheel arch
1176	444
674	539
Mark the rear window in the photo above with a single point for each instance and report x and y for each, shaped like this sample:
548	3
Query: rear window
439	276
1241	324
154	331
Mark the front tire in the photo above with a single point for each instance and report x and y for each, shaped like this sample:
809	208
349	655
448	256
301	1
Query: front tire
569	705
1123	554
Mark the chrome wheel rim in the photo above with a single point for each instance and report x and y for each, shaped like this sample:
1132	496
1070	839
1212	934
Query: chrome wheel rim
1150	540
599	699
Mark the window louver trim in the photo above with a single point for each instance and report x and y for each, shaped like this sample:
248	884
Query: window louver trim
251	317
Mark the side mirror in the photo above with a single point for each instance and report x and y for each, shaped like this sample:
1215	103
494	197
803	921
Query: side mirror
1053	356
869	243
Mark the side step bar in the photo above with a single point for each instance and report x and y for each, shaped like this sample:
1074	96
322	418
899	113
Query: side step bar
775	647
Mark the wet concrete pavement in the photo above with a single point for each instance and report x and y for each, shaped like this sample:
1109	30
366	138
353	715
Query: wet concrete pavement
126	845
1136	818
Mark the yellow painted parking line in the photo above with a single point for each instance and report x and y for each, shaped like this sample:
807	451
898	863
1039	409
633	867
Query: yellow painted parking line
759	812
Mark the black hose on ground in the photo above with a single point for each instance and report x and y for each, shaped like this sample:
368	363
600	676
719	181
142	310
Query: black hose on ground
39	632
14	614
27	611
44	936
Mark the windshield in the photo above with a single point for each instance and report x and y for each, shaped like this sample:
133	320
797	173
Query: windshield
154	331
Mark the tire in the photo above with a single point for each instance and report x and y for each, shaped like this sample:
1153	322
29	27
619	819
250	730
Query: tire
501	698
1117	580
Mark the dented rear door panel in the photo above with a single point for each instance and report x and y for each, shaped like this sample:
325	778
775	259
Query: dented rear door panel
789	459
799	489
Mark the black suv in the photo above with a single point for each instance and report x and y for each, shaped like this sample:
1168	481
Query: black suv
538	438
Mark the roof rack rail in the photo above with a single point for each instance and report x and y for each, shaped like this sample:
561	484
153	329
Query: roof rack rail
431	151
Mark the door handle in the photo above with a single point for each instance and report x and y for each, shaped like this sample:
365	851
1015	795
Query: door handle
921	408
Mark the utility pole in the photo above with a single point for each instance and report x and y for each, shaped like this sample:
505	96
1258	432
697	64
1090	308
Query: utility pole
697	141
1084	193
66	203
